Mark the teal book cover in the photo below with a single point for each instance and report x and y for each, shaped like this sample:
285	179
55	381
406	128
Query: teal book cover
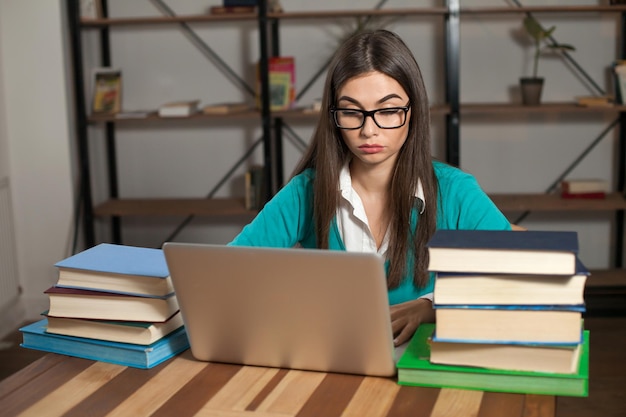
126	354
415	368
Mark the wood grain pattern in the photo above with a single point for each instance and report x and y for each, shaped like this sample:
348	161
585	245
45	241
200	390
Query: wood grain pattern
62	386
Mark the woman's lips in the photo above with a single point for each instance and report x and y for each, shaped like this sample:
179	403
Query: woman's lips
371	148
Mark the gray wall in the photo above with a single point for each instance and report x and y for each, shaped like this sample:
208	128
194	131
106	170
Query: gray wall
524	153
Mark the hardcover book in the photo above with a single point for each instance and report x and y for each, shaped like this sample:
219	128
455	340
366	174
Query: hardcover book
136	332
415	368
117	268
509	324
85	304
504	252
510	289
36	337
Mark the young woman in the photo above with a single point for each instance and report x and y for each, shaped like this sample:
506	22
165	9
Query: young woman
368	182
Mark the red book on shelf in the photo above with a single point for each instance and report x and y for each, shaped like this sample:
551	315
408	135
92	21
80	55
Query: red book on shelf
591	195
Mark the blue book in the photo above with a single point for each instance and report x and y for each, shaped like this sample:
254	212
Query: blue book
503	252
126	354
118	269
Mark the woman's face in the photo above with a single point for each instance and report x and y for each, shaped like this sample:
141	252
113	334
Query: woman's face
370	144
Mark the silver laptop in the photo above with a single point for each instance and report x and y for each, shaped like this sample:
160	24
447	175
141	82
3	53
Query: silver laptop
287	308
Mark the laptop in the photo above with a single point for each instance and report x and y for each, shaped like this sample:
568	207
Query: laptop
305	309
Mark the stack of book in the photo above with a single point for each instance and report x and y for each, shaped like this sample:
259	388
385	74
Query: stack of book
112	303
508	309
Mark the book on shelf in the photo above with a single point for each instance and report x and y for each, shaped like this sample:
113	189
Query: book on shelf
619	77
507	356
240	3
86	304
592	196
117	268
107	91
135	332
225	108
254	187
282	83
595	101
584	186
501	251
549	324
36	337
415	368
220	10
135	114
510	289
179	108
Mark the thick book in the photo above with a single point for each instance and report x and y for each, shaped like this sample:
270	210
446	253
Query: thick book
85	304
415	368
136	332
36	337
510	289
117	268
504	252
509	324
515	357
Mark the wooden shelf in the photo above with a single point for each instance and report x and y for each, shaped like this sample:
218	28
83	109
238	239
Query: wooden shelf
553	202
606	279
249	114
173	207
424	11
542	9
555	107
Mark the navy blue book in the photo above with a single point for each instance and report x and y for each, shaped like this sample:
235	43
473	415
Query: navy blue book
503	252
36	337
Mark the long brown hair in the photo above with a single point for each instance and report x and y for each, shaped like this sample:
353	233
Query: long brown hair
384	52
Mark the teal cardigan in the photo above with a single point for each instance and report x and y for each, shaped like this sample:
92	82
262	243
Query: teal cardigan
287	219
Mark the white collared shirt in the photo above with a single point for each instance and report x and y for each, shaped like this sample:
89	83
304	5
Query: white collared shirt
352	221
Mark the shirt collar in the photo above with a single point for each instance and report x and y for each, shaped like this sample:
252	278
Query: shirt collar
345	183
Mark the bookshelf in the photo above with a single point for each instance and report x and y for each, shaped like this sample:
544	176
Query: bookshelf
453	111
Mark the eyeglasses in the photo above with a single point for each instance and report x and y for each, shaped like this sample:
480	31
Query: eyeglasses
387	118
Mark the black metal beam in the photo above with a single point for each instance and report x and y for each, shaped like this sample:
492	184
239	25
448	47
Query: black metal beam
81	123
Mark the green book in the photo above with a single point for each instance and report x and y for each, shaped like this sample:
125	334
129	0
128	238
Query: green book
414	368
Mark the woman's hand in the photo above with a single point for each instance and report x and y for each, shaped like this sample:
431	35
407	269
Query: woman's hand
406	318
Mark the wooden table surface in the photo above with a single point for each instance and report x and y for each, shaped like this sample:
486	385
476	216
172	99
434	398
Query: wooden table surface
58	385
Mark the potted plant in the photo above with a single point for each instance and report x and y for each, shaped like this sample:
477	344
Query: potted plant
531	87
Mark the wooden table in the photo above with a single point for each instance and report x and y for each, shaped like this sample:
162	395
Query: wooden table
58	385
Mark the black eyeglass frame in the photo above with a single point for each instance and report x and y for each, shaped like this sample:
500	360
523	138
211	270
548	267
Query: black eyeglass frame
369	113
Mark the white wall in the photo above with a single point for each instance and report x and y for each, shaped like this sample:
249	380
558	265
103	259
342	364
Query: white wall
159	64
37	138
